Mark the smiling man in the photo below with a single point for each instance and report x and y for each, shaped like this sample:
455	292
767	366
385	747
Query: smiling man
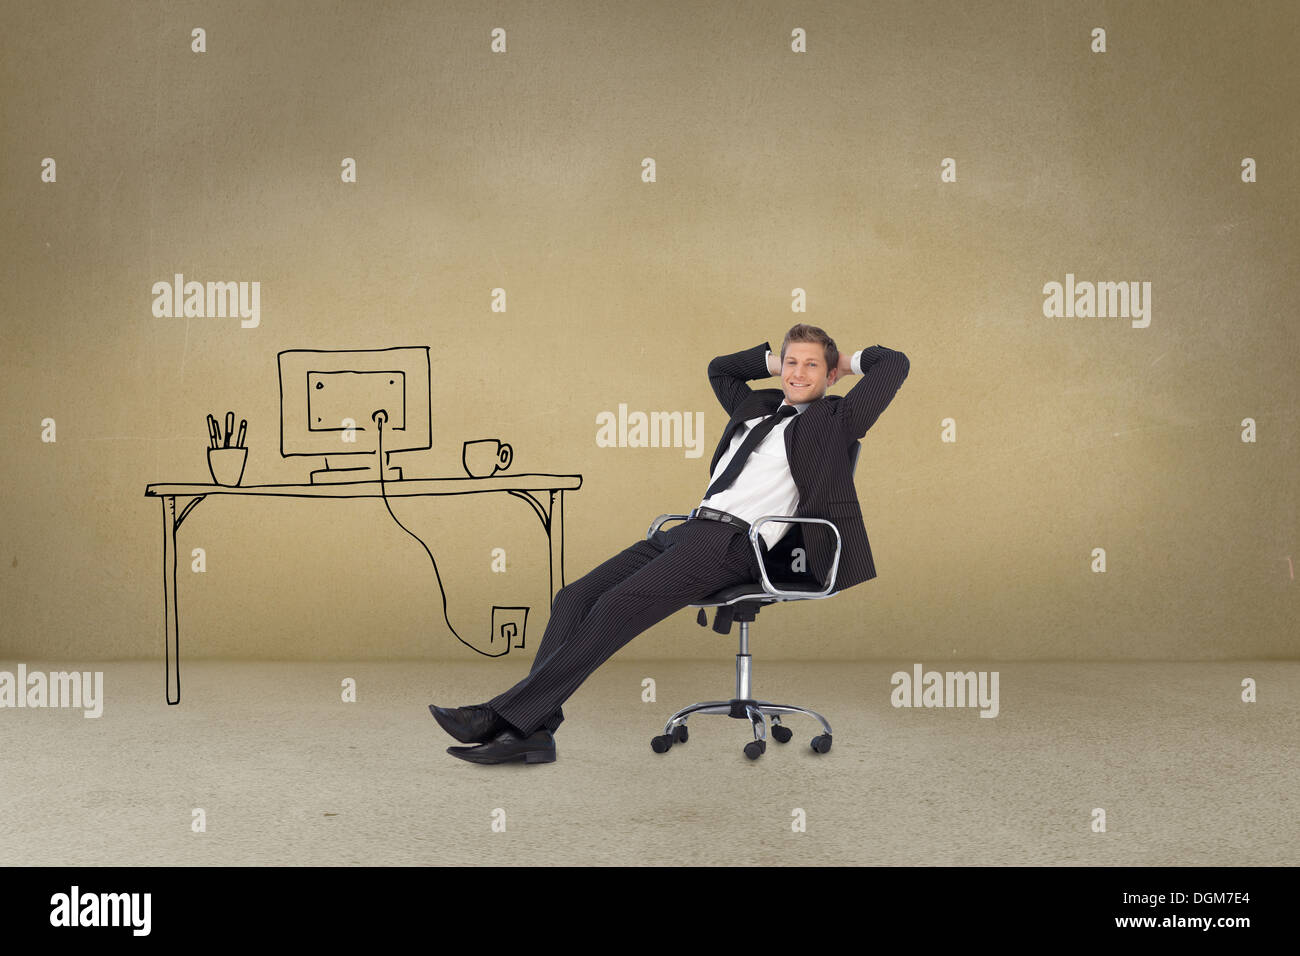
784	451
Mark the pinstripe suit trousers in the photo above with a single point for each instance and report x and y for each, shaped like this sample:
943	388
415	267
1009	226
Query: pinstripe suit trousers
631	592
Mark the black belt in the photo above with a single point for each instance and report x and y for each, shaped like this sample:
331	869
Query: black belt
713	514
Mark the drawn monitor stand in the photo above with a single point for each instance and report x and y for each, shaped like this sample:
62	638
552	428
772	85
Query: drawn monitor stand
508	625
350	406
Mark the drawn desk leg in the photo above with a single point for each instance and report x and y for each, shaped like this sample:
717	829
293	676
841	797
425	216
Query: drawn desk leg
555	537
171	615
171	640
552	518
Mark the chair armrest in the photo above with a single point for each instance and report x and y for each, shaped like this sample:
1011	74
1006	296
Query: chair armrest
654	526
771	588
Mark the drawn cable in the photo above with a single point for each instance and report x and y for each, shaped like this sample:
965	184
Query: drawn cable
379	417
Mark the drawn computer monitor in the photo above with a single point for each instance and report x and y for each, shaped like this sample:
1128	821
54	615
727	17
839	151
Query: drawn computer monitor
328	400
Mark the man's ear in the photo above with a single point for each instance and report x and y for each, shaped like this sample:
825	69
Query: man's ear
833	377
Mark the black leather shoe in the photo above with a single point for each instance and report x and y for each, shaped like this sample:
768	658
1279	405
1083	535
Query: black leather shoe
471	725
507	746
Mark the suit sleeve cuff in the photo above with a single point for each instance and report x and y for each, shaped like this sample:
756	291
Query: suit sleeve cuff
857	362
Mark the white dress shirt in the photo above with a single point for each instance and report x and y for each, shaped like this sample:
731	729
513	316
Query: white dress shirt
765	485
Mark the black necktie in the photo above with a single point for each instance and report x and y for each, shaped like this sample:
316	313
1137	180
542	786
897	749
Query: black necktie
756	435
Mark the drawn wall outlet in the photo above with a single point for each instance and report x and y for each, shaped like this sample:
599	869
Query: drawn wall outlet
508	626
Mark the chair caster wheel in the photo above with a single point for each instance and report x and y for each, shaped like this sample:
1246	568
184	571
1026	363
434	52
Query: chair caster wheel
782	733
821	743
661	743
681	734
755	748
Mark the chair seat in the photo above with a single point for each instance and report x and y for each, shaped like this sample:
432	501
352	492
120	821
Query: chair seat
754	590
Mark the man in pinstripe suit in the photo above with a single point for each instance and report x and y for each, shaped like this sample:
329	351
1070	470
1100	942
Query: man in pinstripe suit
795	462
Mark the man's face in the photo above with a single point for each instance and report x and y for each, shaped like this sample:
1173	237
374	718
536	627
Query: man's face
804	375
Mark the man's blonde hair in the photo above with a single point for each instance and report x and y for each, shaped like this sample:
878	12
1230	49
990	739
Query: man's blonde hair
810	333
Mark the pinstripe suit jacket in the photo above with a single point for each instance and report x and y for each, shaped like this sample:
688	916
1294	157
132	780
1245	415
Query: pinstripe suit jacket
817	443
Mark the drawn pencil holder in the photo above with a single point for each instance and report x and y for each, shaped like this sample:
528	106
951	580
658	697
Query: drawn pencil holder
227	464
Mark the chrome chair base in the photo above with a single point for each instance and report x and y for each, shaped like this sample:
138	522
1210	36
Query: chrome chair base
755	710
744	707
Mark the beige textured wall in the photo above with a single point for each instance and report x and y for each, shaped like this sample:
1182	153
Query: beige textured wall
775	171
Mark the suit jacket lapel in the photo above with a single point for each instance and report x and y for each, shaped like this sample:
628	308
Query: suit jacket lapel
758	404
811	440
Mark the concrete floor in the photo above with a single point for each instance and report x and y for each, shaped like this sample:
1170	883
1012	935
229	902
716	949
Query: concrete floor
289	774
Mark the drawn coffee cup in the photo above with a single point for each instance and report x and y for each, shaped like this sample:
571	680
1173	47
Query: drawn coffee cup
485	457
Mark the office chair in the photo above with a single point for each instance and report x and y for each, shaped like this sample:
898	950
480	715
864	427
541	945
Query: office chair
742	602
